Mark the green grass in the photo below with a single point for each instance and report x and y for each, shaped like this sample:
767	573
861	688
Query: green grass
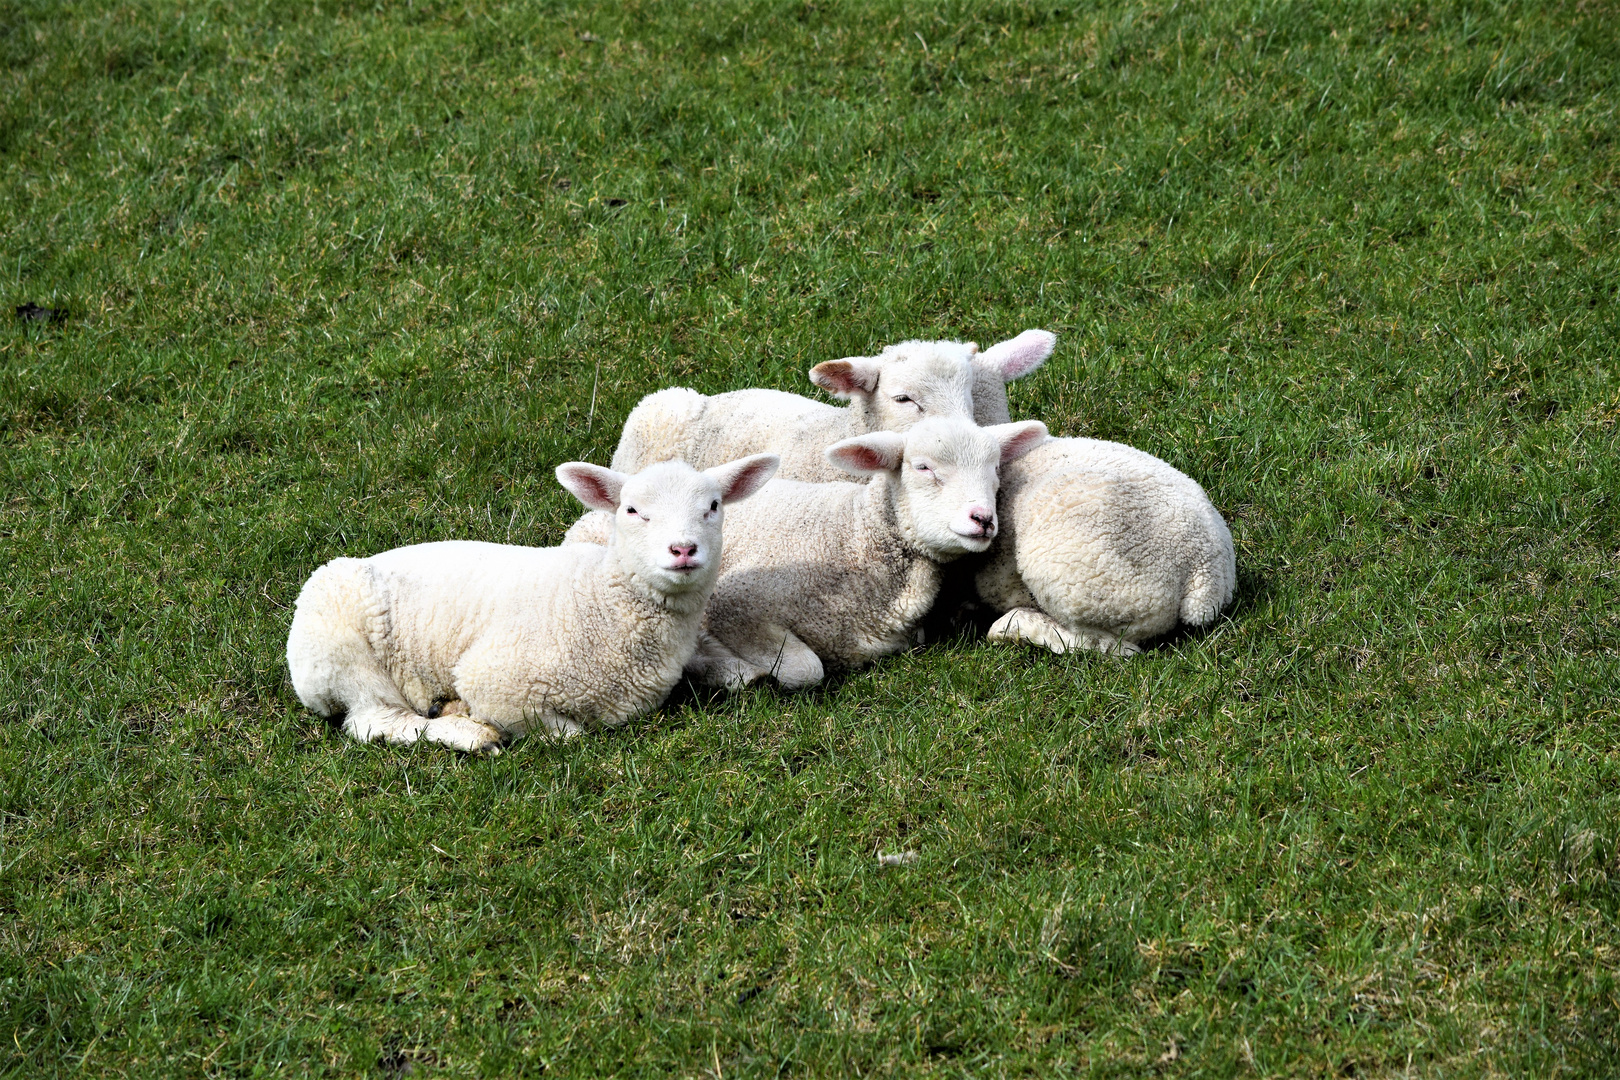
347	276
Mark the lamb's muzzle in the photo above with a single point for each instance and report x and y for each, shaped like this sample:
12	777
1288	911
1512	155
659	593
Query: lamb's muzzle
982	524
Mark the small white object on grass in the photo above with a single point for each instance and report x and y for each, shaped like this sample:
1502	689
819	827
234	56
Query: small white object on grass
897	858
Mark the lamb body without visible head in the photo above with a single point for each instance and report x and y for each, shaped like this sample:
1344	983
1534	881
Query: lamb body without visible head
1103	546
841	573
565	638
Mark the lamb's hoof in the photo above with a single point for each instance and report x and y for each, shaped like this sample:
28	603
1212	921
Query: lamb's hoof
1038	628
721	673
1032	627
462	732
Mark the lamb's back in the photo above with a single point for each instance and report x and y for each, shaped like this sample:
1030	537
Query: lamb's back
705	431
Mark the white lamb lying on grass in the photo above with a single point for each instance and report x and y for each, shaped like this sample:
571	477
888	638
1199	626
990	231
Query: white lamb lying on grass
888	392
838	574
1101	547
567	638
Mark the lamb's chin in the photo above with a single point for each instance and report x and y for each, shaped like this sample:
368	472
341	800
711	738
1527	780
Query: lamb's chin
683	579
970	545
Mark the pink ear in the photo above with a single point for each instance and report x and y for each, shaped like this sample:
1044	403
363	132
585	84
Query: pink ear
1017	357
596	487
847	377
881	451
1018	439
740	479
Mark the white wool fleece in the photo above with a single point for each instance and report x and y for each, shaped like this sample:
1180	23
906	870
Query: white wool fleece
838	574
566	638
892	391
1103	546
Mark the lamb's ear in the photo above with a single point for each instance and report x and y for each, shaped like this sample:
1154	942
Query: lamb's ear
880	451
1017	357
596	487
1017	439
741	478
847	377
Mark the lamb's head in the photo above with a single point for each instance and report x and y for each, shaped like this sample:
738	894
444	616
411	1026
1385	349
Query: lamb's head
667	517
914	380
946	472
903	384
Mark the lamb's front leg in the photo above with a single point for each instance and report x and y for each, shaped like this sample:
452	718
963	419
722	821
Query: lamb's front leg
794	663
713	664
462	731
1036	627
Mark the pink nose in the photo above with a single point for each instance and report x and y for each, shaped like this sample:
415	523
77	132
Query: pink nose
683	551
984	519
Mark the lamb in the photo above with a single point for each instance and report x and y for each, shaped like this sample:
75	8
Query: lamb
568	638
1101	547
888	392
817	575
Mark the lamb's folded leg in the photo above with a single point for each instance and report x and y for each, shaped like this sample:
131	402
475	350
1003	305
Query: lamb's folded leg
796	665
380	720
1035	627
713	664
463	732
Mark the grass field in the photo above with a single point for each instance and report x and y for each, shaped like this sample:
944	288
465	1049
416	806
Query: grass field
345	276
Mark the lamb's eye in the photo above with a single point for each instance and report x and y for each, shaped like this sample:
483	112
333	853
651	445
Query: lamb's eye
714	506
903	399
629	509
923	466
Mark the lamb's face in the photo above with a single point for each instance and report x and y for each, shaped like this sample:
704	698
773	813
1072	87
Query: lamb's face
667	526
667	518
950	473
917	380
947	471
906	383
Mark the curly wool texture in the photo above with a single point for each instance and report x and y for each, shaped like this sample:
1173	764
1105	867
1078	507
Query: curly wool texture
1111	543
563	637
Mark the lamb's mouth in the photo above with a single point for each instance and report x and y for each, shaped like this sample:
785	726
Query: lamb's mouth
684	568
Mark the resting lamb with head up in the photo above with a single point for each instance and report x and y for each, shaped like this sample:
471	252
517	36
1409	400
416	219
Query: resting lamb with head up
902	385
837	574
563	638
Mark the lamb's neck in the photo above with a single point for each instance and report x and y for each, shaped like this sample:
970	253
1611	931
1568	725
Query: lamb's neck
903	579
647	603
861	415
877	516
